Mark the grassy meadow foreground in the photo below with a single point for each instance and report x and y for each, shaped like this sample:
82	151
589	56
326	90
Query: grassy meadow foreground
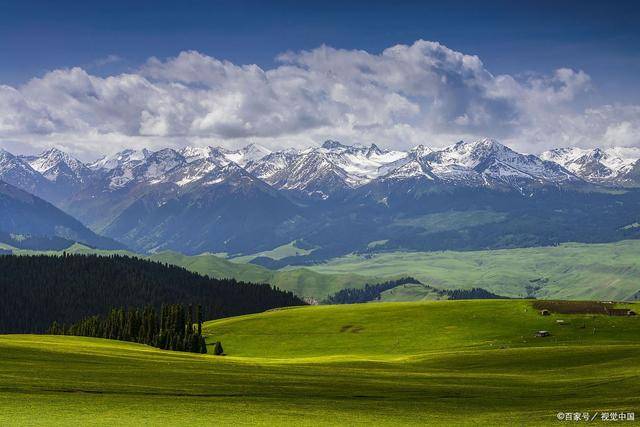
445	362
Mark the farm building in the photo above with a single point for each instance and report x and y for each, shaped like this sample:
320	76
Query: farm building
543	334
619	312
545	312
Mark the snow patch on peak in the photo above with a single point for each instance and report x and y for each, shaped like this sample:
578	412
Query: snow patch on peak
54	158
267	167
486	160
191	154
413	168
420	151
120	159
4	154
595	165
161	162
471	154
249	153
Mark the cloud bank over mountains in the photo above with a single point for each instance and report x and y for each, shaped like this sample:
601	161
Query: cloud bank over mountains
424	93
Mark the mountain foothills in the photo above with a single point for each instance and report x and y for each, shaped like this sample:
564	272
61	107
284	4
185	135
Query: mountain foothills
336	198
28	222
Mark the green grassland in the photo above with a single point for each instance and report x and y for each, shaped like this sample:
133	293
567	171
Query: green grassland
567	271
302	281
401	331
410	292
215	266
444	362
284	251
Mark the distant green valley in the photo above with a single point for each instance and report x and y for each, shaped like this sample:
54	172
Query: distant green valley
566	271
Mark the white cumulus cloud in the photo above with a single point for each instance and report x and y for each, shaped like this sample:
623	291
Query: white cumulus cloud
408	94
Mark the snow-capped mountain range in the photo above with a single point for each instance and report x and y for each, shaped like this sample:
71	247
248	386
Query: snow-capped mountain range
613	165
332	167
16	171
56	165
338	197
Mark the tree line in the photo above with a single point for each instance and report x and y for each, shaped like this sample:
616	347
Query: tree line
473	293
38	290
367	293
177	328
374	292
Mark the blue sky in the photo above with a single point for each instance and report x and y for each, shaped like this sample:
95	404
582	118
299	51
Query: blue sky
518	39
510	37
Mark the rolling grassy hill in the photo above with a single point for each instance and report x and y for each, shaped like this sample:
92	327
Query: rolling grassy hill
567	271
289	250
302	281
410	292
404	331
449	362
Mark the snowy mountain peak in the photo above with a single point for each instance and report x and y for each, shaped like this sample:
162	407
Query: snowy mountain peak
415	167
483	147
161	162
4	154
196	153
256	149
8	160
330	144
469	154
313	171
374	150
595	165
485	161
54	153
165	153
53	159
267	167
120	159
251	152
420	151
17	172
489	143
130	166
598	153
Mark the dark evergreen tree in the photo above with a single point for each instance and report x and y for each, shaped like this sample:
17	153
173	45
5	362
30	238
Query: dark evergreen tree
217	348
373	292
173	330
368	293
474	293
38	290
